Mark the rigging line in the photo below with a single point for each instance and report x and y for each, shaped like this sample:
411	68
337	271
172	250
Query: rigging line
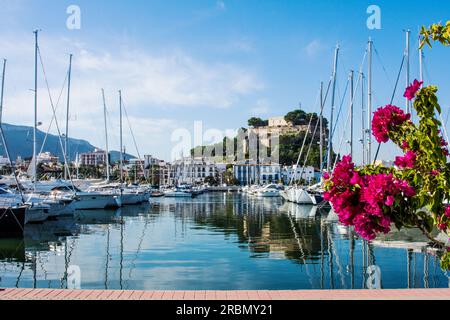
356	88
382	65
309	150
392	100
294	176
343	137
132	134
340	107
349	115
54	114
53	117
446	119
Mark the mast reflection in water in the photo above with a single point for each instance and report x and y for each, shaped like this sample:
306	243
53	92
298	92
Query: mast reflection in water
214	242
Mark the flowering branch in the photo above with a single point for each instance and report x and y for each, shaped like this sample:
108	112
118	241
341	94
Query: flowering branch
414	193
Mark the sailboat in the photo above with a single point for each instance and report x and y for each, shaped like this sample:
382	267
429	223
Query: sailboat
122	194
52	198
12	214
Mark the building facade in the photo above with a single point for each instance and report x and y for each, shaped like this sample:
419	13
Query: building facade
297	173
95	158
249	173
193	170
47	158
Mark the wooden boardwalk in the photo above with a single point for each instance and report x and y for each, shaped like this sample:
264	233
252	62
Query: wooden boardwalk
50	294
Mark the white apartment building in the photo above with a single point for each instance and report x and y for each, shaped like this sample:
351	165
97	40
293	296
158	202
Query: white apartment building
193	170
249	173
95	158
297	173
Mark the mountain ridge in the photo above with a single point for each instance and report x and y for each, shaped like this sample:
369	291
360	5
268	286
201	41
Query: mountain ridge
19	139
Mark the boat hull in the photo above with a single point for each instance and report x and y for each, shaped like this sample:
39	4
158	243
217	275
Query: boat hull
37	213
131	199
12	221
176	194
92	201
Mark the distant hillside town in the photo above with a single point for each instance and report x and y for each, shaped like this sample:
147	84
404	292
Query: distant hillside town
197	168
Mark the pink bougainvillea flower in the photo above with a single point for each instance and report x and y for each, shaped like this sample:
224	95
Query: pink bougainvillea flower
356	179
407	161
405	145
435	172
387	119
404	186
442	226
390	201
326	176
447	211
443	142
364	201
411	91
445	152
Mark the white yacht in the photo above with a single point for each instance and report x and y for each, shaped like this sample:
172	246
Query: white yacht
298	195
36	210
269	191
178	193
86	200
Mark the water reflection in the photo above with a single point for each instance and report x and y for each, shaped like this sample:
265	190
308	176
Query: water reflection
216	241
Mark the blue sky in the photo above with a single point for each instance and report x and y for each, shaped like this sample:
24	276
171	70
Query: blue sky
219	62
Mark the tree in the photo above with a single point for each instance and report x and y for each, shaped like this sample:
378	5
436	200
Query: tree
297	117
257	122
210	180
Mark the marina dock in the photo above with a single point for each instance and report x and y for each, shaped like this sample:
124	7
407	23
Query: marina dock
48	294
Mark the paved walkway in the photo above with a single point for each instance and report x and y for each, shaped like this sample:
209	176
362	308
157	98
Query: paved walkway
49	294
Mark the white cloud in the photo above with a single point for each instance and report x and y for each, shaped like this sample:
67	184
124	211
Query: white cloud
314	47
174	80
261	108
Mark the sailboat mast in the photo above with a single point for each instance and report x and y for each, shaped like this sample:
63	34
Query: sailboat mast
106	136
351	112
66	145
333	96
121	141
34	164
3	87
321	128
363	118
369	104
5	145
408	35
420	63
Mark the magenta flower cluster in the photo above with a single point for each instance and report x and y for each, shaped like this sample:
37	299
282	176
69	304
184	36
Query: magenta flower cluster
387	119
411	91
407	161
364	201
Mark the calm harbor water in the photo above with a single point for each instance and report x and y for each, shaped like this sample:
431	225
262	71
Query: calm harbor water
217	241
